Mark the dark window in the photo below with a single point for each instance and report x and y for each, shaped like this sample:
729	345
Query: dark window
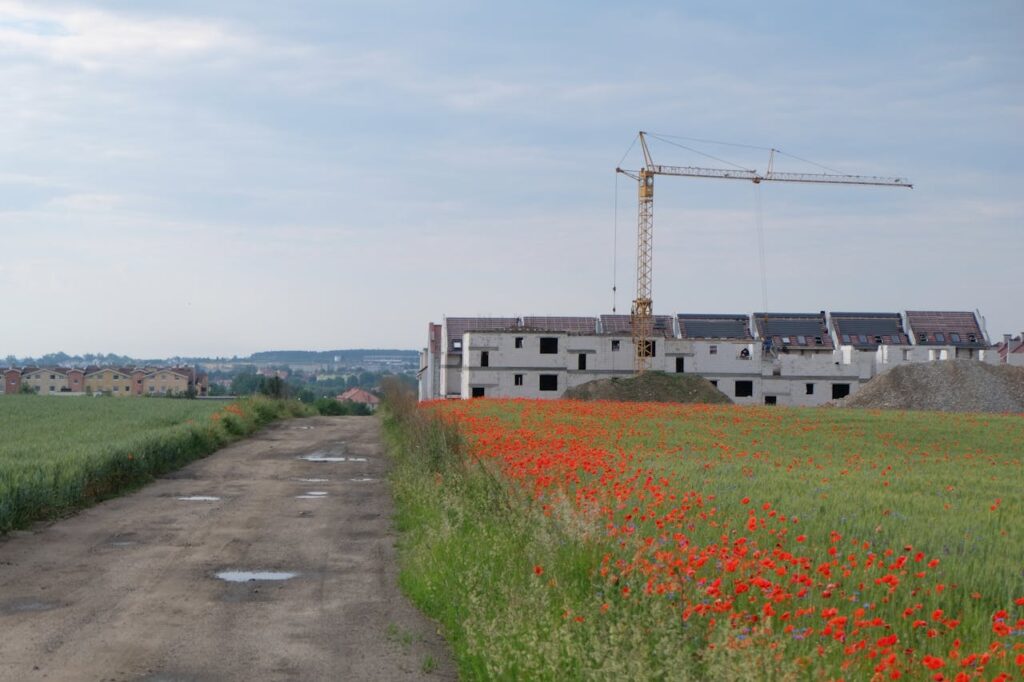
549	345
581	362
713	350
478	391
714	382
519	342
549	382
878	339
519	379
770	400
679	365
971	338
485	359
744	389
817	340
615	344
840	391
809	389
922	337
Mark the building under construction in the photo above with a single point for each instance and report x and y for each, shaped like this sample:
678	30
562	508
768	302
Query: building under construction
799	359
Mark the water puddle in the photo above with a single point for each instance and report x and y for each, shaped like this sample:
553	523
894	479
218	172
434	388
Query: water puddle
309	497
123	543
323	457
252	576
362	480
198	498
329	457
312	480
26	605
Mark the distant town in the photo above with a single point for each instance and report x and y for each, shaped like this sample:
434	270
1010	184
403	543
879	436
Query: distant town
306	375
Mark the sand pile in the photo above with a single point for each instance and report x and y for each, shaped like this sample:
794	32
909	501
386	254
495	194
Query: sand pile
946	386
654	387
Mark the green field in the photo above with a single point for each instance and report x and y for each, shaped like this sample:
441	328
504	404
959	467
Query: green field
60	453
640	541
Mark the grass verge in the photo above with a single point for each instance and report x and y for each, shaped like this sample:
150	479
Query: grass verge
509	584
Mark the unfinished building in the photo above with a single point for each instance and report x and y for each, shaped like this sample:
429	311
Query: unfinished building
797	359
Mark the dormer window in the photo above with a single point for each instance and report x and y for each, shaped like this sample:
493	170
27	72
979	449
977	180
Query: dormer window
955	338
941	338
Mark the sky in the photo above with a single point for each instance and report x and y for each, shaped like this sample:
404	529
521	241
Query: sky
197	178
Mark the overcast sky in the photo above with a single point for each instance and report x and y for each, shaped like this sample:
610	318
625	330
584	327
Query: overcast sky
216	178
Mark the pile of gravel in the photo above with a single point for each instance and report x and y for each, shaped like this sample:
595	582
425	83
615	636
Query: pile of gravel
650	387
946	386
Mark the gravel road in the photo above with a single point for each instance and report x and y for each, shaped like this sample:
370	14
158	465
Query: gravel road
129	589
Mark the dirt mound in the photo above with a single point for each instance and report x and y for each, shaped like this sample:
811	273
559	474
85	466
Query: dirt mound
653	387
945	386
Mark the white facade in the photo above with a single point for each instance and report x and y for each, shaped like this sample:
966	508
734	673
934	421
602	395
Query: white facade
540	364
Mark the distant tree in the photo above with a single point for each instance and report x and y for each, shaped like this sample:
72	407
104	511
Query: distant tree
247	383
275	387
217	389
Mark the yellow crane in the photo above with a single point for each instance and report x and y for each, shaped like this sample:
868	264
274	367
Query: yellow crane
642	313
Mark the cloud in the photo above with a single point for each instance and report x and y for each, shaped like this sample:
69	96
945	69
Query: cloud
94	39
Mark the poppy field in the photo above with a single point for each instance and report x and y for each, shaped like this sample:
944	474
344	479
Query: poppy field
718	542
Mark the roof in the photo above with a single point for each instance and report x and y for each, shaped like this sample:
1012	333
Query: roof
358	395
572	325
621	324
869	330
794	330
457	326
945	328
720	326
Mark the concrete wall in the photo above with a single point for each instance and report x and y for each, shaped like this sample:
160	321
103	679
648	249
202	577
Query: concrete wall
797	377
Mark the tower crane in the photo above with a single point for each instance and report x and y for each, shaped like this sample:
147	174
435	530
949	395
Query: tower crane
641	314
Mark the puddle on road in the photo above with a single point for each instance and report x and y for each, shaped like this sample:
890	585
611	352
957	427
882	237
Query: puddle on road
312	480
198	498
123	543
253	576
26	605
362	480
329	457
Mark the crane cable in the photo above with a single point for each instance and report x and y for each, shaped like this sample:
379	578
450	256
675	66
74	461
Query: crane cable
615	245
615	228
760	247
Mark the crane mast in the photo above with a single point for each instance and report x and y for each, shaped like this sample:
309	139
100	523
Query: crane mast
642	311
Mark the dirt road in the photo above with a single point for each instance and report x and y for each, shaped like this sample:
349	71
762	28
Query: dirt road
129	590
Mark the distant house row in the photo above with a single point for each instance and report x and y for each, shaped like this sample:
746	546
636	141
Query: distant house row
116	381
769	358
